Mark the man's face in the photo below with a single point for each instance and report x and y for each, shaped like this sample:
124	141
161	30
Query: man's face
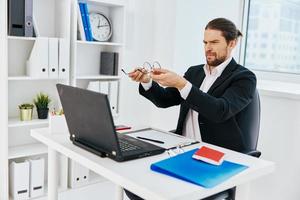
217	50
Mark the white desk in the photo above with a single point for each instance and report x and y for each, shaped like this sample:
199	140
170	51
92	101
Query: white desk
136	175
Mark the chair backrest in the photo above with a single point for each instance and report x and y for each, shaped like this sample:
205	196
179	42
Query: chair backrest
249	123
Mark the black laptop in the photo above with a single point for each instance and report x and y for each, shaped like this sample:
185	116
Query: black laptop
91	126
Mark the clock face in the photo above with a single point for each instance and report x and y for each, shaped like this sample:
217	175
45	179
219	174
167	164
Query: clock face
101	27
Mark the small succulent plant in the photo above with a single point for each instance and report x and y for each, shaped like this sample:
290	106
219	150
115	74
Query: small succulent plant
42	101
26	106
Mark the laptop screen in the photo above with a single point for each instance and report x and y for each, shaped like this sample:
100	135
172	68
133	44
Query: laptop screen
89	117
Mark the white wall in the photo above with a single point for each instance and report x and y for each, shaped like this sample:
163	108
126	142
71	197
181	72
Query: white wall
191	19
179	27
134	109
177	30
279	142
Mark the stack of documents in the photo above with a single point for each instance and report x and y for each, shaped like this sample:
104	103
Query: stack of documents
184	167
167	139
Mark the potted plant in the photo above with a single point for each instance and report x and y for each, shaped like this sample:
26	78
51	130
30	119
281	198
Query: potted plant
41	103
26	111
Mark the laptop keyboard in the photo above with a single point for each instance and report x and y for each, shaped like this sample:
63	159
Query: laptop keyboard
126	146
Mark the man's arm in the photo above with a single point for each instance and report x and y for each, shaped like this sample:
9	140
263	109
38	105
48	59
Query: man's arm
161	97
236	97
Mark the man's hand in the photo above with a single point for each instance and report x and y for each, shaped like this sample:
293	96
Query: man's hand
167	78
139	75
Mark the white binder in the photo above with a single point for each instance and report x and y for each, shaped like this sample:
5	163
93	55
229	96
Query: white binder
28	25
113	97
63	171
19	179
104	87
63	58
78	175
37	177
53	57
37	64
94	86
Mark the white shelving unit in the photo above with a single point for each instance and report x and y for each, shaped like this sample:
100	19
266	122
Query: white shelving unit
85	55
22	88
97	77
54	18
28	78
79	42
15	122
4	102
21	38
26	150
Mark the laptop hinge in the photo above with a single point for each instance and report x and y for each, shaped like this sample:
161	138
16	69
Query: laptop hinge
90	147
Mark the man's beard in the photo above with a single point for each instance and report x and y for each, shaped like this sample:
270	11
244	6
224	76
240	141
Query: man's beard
216	61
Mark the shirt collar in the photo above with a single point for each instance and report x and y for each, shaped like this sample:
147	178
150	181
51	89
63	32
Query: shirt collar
217	71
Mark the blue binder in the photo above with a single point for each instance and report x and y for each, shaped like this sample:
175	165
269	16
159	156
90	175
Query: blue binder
88	24
184	167
82	12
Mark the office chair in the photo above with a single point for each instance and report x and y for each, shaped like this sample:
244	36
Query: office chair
249	123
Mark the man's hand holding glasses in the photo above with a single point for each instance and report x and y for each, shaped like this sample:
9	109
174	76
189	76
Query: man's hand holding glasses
164	77
168	78
140	75
143	74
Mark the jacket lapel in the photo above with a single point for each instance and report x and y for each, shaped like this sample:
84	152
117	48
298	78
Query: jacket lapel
225	74
199	77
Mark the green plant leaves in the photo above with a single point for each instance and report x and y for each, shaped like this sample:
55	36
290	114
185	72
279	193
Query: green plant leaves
42	101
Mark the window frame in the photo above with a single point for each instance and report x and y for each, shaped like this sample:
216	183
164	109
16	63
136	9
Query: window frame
261	74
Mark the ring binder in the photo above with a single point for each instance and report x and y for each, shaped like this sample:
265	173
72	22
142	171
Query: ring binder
19	179
37	177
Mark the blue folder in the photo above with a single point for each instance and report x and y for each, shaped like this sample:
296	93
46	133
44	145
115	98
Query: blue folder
82	12
88	24
184	167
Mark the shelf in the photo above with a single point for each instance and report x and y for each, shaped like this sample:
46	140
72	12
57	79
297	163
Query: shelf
26	150
15	122
99	43
106	186
21	38
97	77
28	78
95	178
44	196
108	2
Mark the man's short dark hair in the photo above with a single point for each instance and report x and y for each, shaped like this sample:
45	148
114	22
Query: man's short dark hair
227	27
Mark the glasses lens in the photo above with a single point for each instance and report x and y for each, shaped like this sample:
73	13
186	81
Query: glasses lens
147	66
156	64
176	151
171	153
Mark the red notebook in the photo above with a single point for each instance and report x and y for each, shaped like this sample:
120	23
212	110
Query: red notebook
209	155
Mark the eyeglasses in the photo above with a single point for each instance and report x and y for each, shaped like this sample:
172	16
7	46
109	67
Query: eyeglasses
179	148
147	67
175	151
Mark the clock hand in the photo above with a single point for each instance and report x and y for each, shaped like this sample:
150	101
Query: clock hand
102	26
98	23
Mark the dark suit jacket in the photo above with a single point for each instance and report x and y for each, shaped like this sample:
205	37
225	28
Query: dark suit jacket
218	109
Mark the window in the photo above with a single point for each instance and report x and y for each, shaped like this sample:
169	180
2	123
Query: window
273	35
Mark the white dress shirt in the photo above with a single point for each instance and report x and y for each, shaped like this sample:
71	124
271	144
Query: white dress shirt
191	127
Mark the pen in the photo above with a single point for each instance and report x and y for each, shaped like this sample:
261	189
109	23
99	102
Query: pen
152	140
